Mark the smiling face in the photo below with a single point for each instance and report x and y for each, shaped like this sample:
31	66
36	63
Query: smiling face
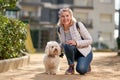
65	18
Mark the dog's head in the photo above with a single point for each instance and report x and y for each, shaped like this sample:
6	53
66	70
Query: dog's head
53	48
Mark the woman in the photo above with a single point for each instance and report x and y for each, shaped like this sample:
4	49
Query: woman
75	48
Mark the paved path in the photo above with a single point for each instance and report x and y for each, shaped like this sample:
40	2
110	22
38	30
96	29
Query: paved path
105	66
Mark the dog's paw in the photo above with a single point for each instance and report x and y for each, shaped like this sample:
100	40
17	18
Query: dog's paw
53	73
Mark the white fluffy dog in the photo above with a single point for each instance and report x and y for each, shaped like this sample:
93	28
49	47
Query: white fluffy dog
51	59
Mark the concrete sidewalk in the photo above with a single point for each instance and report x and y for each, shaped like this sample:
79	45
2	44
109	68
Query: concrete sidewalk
105	66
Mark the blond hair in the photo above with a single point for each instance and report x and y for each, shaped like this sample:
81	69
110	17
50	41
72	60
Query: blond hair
73	20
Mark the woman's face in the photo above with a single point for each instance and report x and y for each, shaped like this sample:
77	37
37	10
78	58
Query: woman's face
65	18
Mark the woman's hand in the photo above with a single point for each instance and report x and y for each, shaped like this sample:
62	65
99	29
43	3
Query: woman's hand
71	42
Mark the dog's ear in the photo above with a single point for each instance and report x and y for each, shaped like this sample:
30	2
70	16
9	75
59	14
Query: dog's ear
62	53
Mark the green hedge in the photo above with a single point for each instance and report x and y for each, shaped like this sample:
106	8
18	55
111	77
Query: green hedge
7	4
103	45
118	42
12	37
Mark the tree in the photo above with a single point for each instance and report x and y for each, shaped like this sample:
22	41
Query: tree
4	4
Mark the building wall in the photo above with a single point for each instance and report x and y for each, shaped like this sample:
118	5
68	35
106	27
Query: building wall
103	18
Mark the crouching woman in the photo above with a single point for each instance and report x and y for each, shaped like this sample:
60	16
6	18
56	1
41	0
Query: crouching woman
76	42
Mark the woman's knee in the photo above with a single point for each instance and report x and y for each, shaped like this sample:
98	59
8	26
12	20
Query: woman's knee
68	47
81	70
65	45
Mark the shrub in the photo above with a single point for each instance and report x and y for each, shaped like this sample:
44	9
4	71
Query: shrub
103	45
12	37
118	42
4	4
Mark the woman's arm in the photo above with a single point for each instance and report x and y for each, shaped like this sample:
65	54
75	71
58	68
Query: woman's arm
87	39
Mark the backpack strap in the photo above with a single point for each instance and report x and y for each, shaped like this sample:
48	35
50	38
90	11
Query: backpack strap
58	29
78	28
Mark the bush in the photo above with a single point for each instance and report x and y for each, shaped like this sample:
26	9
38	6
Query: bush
103	45
118	42
4	4
12	37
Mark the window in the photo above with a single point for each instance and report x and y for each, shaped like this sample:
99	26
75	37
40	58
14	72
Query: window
11	14
106	17
116	15
107	36
84	3
81	16
45	35
32	1
106	1
32	14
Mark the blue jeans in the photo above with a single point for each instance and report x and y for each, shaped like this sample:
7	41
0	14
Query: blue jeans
72	55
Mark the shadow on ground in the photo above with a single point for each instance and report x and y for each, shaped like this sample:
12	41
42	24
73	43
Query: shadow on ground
43	76
103	68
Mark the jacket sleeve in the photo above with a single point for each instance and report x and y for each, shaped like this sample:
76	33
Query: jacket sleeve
87	39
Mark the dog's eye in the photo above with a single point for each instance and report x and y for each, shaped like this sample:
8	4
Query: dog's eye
52	46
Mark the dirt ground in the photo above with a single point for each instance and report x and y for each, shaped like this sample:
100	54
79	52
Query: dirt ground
105	66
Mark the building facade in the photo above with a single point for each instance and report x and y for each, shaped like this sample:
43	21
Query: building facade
100	15
42	15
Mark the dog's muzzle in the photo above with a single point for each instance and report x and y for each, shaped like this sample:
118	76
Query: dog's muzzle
55	51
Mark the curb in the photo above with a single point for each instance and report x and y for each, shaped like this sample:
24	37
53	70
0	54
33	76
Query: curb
14	63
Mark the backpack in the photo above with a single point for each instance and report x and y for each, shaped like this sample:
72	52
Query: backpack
78	28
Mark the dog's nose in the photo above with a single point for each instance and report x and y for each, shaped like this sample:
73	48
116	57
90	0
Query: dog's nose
55	48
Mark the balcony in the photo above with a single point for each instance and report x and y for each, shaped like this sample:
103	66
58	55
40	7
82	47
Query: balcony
30	3
84	4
